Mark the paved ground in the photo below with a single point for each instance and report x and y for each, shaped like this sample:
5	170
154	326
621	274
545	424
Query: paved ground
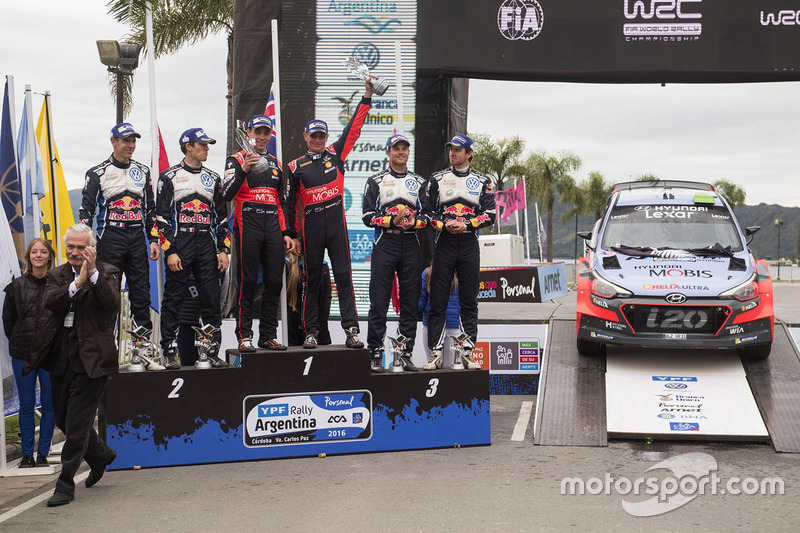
508	486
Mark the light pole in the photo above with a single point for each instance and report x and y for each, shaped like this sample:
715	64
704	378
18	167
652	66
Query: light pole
779	223
121	59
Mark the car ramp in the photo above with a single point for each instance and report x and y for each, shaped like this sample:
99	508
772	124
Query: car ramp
775	383
571	404
667	394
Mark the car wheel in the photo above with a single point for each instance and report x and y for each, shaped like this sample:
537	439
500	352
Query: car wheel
591	348
759	351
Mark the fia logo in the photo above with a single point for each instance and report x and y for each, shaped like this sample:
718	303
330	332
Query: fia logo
520	19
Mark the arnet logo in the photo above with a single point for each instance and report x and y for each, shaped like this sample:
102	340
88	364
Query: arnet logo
691	475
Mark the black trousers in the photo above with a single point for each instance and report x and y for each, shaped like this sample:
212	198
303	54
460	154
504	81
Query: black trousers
198	258
76	397
454	254
327	229
394	253
260	244
128	250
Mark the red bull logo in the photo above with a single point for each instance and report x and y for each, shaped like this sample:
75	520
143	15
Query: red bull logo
459	210
126	209
194	219
195	206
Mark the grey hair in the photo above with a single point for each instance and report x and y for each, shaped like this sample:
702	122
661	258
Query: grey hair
81	228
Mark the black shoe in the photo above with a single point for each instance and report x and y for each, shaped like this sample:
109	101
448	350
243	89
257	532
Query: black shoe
41	460
60	498
311	341
246	346
216	362
405	360
27	462
95	474
171	358
376	361
271	344
352	338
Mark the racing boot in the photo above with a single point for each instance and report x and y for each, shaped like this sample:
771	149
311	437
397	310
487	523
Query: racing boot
467	360
405	360
246	346
376	361
352	338
311	341
171	358
213	357
271	344
434	361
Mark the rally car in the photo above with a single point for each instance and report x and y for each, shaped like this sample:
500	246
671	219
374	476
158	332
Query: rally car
668	266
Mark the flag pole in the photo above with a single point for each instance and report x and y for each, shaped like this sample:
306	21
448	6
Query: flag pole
538	229
516	211
399	74
278	126
53	183
155	147
31	155
527	234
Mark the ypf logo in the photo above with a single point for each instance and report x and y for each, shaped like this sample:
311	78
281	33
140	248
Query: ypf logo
520	19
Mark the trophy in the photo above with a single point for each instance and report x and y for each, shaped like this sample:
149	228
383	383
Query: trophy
141	351
205	344
248	145
398	349
360	70
461	344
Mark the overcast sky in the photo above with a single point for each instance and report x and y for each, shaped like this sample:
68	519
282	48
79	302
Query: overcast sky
747	134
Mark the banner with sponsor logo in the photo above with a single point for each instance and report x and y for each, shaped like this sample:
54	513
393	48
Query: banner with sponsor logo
612	40
510	348
366	31
529	284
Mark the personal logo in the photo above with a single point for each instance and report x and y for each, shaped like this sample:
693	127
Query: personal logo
473	183
206	180
412	184
675	298
520	19
367	53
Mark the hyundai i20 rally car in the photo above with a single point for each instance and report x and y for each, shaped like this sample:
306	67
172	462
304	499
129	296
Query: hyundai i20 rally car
668	266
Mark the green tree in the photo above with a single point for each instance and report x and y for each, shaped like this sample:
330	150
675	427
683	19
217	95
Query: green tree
550	176
497	158
596	191
733	194
176	23
647	177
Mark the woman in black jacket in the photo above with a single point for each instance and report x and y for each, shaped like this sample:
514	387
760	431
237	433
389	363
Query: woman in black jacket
22	314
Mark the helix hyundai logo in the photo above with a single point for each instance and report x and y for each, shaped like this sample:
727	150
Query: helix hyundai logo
675	298
520	19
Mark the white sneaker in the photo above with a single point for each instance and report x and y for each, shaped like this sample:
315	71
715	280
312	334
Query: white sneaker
434	361
468	361
150	363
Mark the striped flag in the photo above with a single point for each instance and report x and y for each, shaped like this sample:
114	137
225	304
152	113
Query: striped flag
270	112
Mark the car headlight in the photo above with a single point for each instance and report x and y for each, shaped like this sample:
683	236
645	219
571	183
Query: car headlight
607	290
746	291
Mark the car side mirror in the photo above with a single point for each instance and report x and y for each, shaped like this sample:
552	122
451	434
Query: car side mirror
750	231
586	236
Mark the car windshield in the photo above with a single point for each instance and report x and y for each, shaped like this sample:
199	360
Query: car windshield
681	227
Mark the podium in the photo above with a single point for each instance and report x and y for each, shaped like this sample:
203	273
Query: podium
291	404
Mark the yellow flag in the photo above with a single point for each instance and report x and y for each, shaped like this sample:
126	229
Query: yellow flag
60	202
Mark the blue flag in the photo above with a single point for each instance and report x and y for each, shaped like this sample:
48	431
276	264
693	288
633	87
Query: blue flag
9	178
34	180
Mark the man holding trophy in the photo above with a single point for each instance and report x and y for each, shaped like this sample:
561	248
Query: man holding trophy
252	178
317	178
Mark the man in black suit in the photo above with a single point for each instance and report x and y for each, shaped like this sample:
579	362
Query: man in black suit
80	353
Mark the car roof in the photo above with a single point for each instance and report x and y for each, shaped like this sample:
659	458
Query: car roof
666	192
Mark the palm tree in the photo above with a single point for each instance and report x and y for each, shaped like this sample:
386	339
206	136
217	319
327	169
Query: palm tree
733	194
551	175
499	159
577	197
589	197
176	23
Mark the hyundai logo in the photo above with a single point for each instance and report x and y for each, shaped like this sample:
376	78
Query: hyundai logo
675	298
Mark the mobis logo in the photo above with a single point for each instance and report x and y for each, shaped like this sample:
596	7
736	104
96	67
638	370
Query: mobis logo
662	20
784	17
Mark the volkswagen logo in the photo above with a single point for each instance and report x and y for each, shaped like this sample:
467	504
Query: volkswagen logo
675	298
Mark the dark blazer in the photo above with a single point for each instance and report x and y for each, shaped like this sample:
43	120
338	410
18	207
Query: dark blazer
23	312
95	307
